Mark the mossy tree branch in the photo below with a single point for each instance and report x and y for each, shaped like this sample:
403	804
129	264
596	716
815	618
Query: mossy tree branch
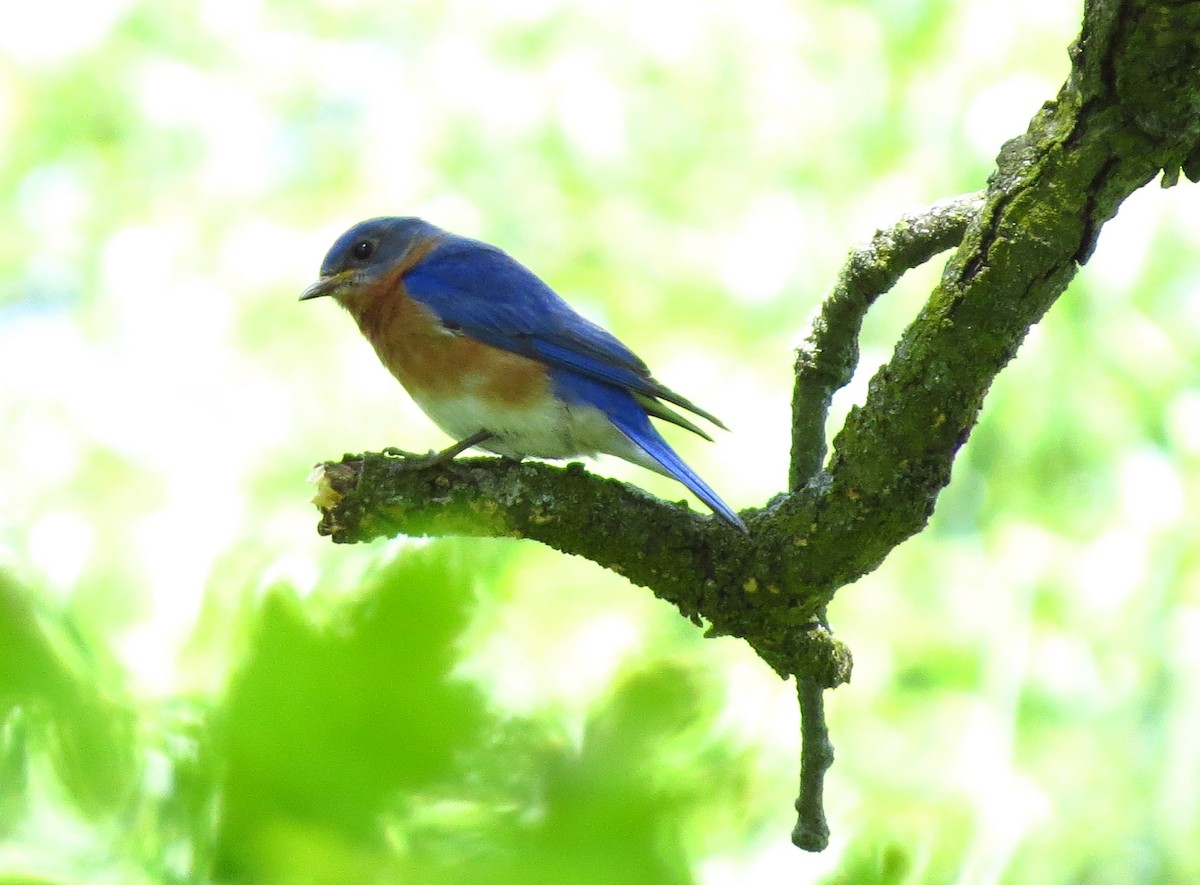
1130	107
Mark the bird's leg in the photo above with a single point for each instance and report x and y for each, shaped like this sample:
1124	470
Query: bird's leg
445	456
452	452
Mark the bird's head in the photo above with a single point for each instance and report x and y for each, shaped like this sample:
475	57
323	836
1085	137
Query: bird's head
367	252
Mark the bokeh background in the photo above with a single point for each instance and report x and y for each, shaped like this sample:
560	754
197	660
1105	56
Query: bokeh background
195	687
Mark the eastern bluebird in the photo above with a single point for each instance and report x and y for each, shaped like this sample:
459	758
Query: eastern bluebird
496	358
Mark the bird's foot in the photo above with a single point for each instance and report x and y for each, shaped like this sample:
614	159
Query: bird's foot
444	458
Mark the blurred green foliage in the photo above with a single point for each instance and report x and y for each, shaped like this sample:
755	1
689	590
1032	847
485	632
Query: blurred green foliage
195	687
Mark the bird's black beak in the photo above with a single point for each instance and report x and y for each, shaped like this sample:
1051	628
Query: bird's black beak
335	284
323	286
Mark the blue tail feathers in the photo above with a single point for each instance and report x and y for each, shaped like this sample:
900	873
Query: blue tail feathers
629	418
635	424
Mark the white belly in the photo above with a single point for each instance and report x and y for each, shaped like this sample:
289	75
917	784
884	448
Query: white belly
550	429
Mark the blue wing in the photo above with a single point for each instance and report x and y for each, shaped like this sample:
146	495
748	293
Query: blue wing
492	297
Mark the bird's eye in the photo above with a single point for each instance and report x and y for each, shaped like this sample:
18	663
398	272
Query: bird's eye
362	249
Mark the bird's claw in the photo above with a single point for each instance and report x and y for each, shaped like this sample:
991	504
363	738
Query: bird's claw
433	458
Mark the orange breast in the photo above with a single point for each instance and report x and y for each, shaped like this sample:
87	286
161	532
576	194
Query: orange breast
432	362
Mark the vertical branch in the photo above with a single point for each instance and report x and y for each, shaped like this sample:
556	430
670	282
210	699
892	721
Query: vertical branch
811	832
824	665
825	363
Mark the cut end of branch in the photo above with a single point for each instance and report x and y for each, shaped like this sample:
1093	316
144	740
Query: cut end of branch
333	481
326	497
